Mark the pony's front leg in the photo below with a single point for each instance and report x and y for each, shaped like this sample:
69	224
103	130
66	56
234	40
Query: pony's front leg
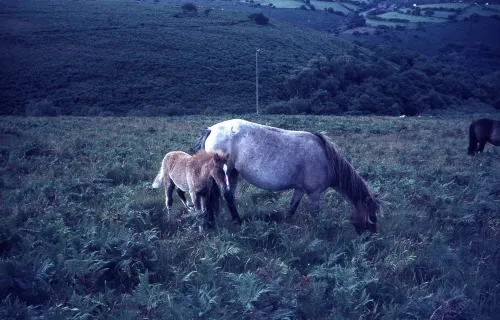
294	203
314	201
232	177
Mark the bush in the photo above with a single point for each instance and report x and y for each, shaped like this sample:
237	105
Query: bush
259	18
41	108
189	7
496	104
281	107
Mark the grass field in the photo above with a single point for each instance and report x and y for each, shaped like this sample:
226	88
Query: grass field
82	234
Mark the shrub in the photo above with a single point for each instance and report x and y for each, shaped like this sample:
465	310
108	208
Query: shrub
496	104
259	18
281	107
41	108
189	7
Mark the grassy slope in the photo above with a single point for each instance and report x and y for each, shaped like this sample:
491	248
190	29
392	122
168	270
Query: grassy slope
123	55
81	232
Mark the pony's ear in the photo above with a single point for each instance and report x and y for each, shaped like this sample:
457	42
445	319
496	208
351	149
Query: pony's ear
216	156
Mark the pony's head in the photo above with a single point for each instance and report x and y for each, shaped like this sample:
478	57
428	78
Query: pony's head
218	170
364	214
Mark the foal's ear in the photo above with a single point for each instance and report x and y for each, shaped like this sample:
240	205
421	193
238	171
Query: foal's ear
216	156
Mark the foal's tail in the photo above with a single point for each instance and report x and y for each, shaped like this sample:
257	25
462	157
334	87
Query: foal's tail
159	179
200	145
472	139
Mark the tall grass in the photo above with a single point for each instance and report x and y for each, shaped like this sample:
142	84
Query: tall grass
83	235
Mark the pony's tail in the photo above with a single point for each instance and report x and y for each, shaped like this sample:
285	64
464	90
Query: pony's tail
159	179
472	140
200	145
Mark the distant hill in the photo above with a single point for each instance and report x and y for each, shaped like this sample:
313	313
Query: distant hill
124	57
88	57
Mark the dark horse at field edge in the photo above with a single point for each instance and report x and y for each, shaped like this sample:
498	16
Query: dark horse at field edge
201	175
276	159
482	131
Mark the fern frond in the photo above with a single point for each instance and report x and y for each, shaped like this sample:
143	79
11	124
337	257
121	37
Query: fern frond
249	289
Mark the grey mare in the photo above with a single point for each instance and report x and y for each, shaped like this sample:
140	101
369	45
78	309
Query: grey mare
276	159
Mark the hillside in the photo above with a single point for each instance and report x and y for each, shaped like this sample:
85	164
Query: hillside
124	57
87	57
82	234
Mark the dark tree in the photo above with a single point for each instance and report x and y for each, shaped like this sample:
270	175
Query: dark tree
189	7
259	18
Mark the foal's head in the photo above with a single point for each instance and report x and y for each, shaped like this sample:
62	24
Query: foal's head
217	169
364	215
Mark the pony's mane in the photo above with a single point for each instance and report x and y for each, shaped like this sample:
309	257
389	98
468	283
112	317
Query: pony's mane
348	181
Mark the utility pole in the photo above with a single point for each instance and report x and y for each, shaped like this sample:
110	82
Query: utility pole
257	79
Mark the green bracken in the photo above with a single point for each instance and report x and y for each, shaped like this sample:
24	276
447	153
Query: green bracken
82	234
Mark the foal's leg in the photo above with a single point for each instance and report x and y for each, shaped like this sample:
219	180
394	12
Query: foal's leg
229	195
169	189
182	195
294	203
208	212
196	200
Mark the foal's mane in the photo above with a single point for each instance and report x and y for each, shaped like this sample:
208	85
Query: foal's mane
202	156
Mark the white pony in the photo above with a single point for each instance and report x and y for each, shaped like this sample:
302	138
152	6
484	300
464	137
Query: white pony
276	159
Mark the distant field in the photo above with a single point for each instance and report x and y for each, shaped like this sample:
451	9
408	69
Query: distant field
442	14
283	4
325	5
479	11
397	15
374	23
446	5
351	6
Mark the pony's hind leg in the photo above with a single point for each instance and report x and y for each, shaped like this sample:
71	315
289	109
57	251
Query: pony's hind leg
294	203
482	143
169	189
